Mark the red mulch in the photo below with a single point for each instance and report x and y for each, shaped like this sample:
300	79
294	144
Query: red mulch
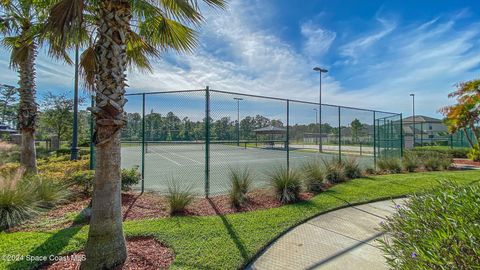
143	253
469	162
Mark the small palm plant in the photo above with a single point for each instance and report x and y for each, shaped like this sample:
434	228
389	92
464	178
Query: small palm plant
286	183
241	181
18	202
314	176
179	197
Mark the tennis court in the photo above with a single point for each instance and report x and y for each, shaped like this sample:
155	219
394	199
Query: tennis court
195	137
184	163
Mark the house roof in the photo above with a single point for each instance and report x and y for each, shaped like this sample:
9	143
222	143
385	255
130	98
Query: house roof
421	119
409	130
270	130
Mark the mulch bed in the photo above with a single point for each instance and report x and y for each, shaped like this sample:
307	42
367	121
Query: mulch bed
469	162
143	253
151	205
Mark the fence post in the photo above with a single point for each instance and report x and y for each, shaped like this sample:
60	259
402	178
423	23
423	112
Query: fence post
451	141
421	134
207	142
374	142
339	135
287	143
92	148
143	142
401	135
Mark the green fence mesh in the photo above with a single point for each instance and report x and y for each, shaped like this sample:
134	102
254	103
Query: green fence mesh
195	137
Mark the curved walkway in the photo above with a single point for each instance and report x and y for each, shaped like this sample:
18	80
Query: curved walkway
342	239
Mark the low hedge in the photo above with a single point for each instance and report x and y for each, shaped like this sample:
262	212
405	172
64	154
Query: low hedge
453	152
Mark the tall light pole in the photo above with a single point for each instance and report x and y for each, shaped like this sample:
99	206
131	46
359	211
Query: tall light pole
316	121
74	150
238	120
413	117
320	71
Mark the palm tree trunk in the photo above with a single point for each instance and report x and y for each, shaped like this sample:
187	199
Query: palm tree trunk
105	248
468	137
475	133
27	110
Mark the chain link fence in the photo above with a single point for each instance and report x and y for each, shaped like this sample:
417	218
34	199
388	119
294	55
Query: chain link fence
196	137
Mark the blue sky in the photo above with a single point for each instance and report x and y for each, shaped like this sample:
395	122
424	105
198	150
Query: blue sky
377	52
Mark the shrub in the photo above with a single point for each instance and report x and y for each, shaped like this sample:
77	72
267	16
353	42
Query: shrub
286	183
84	180
410	161
240	184
17	200
313	176
352	168
474	153
178	197
334	171
453	152
130	177
390	165
435	230
60	169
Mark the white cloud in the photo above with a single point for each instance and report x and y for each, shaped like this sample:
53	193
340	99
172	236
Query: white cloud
317	40
354	48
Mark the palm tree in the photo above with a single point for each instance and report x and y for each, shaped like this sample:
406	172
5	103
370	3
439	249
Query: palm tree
21	23
123	33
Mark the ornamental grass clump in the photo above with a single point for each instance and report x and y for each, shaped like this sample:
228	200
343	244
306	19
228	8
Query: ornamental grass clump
389	165
48	191
352	168
241	181
410	161
434	161
18	200
286	183
334	171
437	230
179	197
313	176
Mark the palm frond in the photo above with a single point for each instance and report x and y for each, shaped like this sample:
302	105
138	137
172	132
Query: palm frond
87	68
139	51
165	33
65	19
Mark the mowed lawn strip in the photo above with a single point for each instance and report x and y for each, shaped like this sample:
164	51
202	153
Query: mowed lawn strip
230	241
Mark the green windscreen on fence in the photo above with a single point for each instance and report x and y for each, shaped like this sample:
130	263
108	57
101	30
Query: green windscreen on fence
194	138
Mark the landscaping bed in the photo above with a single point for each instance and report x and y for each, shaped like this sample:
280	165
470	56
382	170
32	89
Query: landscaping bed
464	161
229	241
137	206
143	253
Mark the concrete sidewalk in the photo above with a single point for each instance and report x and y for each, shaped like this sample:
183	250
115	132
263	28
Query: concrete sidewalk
342	239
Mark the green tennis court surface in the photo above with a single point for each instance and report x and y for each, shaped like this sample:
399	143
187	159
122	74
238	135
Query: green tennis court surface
185	163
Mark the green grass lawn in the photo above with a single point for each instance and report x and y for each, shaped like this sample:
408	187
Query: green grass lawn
230	241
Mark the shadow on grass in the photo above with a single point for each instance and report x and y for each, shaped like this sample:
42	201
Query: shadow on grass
231	232
52	246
